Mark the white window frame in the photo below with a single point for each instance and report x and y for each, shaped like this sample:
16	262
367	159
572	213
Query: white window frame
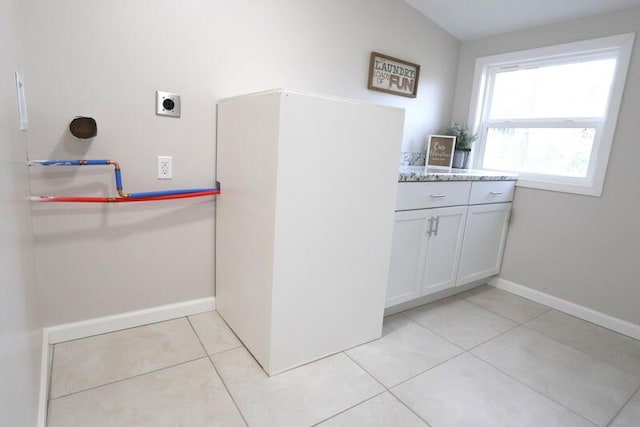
618	46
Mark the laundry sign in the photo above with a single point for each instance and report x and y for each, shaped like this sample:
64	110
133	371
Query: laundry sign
393	75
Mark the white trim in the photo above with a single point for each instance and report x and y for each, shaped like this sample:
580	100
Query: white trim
592	185
618	325
43	401
558	50
615	100
101	325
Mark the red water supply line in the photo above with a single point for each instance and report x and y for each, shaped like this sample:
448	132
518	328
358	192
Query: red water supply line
122	196
86	199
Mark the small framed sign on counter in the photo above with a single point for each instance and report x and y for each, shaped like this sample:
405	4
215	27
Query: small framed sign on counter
440	151
393	75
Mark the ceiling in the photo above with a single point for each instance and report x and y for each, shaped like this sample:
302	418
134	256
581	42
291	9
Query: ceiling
473	19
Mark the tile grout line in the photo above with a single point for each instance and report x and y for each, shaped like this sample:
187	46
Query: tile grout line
409	408
120	330
388	389
385	388
538	316
623	406
225	324
477	357
465	350
516	379
487	310
417	375
549	309
365	370
483	342
421	372
493	338
508	318
128	378
599	359
50	365
458	345
534	390
227	350
224	384
349	408
216	370
522	324
426	370
197	336
468	351
433	332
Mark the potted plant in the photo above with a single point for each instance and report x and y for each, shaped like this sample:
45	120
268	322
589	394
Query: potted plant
464	140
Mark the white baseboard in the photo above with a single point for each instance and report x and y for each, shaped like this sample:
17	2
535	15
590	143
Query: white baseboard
621	326
102	325
44	380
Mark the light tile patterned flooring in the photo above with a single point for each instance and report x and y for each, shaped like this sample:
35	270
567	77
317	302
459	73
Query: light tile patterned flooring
481	358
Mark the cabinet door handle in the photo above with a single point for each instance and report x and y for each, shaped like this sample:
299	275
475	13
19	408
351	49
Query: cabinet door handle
438	196
496	193
437	226
430	229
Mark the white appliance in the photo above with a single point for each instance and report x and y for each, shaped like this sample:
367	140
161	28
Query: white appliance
304	222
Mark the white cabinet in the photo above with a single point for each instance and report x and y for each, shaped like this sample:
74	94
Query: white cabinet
425	252
407	256
304	229
491	192
423	195
443	251
435	248
484	238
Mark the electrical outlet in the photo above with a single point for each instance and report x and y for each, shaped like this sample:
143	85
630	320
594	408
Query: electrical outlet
165	167
167	104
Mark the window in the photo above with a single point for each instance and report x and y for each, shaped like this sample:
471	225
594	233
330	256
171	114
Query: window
549	114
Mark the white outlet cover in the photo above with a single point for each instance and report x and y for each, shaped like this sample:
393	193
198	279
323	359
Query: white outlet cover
165	167
22	102
167	104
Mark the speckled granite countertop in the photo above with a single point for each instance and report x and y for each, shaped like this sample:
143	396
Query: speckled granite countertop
420	173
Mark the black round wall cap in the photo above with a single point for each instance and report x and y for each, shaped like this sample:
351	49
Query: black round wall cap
83	127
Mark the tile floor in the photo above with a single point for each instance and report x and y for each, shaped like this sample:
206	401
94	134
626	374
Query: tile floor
481	358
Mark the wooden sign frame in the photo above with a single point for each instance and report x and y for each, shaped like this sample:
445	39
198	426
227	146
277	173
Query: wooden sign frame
440	151
392	75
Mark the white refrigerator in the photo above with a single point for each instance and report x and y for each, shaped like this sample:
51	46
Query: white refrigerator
304	222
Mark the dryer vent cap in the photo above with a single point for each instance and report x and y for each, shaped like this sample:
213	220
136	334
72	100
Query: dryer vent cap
83	127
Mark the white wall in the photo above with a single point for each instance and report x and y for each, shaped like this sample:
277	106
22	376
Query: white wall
578	248
107	58
19	323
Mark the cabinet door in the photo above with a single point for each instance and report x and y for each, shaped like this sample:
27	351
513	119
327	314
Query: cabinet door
407	256
484	238
444	244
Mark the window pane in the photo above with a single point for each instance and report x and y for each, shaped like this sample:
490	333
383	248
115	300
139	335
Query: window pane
569	90
552	151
